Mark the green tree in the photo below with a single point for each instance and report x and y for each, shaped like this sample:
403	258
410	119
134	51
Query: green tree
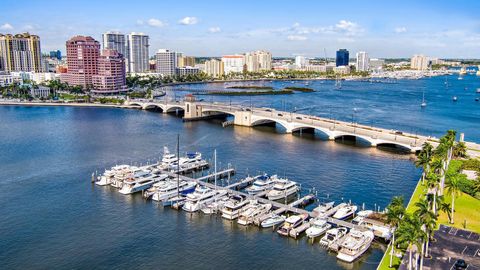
460	150
452	186
395	212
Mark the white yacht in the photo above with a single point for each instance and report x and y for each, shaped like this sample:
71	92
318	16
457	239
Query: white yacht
200	197
354	245
360	216
251	211
109	175
332	236
321	210
168	158
172	188
377	223
272	221
319	227
291	223
215	206
282	189
262	183
141	183
233	207
345	212
123	175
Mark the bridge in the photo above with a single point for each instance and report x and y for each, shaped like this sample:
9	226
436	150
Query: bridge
294	122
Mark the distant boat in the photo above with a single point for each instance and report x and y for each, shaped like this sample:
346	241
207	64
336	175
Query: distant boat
460	78
476	99
338	83
424	104
478	90
463	71
454	98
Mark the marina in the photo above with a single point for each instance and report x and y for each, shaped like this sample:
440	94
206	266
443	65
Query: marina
236	201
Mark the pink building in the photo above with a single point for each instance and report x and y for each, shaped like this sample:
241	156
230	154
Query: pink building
111	72
82	60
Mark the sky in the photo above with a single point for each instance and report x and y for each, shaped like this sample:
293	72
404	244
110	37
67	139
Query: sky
384	29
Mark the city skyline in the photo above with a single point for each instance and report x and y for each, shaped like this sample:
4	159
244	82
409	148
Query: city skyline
439	29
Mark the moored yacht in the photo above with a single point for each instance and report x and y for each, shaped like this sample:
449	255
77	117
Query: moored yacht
354	245
233	207
109	175
291	223
321	210
345	212
133	185
262	183
128	173
172	188
215	206
272	220
251	211
332	236
360	216
282	189
319	227
201	197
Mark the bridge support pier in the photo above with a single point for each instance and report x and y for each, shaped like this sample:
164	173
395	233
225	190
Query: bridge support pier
331	138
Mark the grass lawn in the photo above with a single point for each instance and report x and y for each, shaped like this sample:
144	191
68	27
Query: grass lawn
467	208
385	263
418	194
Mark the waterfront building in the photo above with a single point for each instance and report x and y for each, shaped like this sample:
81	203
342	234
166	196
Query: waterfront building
166	62
258	61
318	68
82	61
115	41
111	75
183	71
56	54
214	68
342	70
39	91
419	62
301	61
376	64
362	61
137	52
342	58
189	61
20	52
233	63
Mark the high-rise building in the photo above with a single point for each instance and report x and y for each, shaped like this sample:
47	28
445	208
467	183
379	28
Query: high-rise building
137	52
116	41
111	72
300	61
362	61
342	57
56	54
258	61
214	68
189	61
419	62
166	62
20	52
233	63
82	61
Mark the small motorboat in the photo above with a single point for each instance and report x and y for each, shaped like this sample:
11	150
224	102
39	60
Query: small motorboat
319	227
332	236
291	223
454	98
272	221
321	210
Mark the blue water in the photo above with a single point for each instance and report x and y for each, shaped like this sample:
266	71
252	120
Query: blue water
53	217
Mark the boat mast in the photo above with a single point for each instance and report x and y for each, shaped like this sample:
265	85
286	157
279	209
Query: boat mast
215	165
178	165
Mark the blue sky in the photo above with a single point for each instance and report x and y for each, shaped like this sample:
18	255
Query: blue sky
286	28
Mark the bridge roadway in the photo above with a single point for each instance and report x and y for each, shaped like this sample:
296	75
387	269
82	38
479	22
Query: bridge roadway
296	122
275	204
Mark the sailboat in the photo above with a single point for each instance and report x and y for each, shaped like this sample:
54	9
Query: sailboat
424	104
178	200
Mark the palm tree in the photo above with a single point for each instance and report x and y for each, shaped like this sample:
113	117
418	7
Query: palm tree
432	182
410	234
460	150
453	189
395	211
444	207
428	219
424	158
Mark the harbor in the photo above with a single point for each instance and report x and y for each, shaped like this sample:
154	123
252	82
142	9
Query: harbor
266	201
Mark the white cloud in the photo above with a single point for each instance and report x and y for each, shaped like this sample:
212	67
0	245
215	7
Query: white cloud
296	38
348	27
401	29
188	21
155	23
6	26
215	29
